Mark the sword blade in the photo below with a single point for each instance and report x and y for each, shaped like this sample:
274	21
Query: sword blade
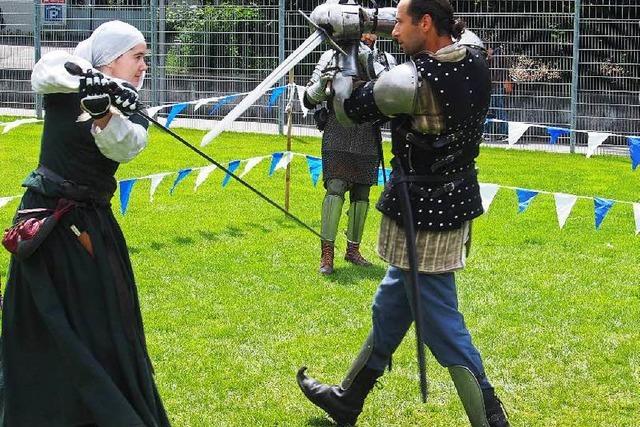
303	50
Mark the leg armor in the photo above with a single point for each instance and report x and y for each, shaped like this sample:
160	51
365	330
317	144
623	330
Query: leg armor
359	197
332	208
359	362
357	216
470	394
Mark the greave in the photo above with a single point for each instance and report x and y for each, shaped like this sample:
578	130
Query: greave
331	211
357	216
470	394
359	362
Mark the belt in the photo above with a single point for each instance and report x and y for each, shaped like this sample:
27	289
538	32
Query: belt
73	191
448	182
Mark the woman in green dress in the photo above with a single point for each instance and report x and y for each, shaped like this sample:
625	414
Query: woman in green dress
73	347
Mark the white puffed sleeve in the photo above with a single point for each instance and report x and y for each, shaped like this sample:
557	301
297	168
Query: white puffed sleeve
121	140
50	76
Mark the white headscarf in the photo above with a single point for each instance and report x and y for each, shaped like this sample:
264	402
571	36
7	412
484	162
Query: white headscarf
109	41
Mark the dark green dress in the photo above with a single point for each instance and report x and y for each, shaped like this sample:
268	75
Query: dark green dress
73	348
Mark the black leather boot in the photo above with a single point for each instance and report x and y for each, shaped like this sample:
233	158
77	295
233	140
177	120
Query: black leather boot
342	405
494	409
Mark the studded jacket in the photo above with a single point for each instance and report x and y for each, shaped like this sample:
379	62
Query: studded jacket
435	148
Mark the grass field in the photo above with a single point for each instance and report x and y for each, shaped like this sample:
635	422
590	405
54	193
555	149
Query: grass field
233	305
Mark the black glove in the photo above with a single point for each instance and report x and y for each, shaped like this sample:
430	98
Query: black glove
321	116
124	97
94	94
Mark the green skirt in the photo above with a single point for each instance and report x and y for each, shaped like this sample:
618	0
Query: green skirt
73	349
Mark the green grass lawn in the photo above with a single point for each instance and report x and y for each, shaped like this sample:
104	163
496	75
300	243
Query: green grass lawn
233	304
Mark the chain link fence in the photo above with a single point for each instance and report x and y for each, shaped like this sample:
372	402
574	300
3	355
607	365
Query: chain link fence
227	47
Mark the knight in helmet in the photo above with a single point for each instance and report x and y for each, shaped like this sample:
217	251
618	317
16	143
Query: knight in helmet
437	102
350	155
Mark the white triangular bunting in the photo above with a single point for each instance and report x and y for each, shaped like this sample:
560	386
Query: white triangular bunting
516	130
155	182
564	205
202	102
5	200
203	175
291	87
152	111
636	215
595	140
487	193
284	160
251	163
305	110
16	123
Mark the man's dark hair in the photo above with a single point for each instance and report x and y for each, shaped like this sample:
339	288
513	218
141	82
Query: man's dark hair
441	14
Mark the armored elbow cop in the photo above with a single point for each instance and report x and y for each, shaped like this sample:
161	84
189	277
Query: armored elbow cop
394	93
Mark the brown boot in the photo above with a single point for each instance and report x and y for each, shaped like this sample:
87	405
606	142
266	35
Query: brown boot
326	259
354	256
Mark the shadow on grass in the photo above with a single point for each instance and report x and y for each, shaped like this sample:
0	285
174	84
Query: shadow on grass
183	240
348	274
319	422
233	232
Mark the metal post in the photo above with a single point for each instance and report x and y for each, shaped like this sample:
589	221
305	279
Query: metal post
287	180
575	78
154	52
37	47
281	57
160	59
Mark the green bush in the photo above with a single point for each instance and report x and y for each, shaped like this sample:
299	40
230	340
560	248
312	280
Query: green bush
217	37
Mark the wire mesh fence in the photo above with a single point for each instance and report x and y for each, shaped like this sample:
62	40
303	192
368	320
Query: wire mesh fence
223	48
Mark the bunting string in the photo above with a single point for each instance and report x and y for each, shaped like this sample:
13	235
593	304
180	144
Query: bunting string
564	203
516	130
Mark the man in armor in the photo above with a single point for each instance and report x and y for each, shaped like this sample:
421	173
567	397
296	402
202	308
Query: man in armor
350	155
437	102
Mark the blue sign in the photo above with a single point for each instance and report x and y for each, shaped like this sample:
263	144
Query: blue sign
54	12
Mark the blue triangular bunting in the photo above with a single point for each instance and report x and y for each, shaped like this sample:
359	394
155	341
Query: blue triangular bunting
601	209
125	192
555	133
275	158
233	165
175	110
634	151
275	94
382	173
220	103
315	168
524	198
182	174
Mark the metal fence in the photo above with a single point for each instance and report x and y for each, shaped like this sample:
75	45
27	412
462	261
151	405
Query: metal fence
227	47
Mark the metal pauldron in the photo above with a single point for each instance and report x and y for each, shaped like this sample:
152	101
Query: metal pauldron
395	91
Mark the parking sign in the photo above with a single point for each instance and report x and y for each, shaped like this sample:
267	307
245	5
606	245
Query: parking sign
54	12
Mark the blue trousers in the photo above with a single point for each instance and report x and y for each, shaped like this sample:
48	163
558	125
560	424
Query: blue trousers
443	328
